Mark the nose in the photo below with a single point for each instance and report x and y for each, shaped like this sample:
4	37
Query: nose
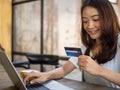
90	24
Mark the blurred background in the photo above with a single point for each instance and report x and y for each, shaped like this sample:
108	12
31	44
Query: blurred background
41	26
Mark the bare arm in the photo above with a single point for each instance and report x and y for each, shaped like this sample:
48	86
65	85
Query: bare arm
110	75
62	71
53	74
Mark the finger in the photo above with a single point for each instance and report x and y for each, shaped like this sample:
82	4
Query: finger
82	68
36	80
81	57
26	79
81	61
80	64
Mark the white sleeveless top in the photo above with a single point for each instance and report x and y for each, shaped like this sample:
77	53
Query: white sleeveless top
113	65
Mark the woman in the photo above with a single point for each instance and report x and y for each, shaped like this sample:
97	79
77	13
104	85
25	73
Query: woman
101	41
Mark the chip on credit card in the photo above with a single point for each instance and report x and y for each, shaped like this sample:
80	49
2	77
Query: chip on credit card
73	51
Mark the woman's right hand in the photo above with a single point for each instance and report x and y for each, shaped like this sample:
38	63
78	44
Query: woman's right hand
36	76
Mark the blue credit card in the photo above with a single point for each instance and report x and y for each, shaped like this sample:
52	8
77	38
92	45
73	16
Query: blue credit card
73	51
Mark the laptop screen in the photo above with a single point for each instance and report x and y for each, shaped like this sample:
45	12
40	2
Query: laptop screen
11	71
17	81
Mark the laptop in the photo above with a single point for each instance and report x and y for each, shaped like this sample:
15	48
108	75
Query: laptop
14	75
18	82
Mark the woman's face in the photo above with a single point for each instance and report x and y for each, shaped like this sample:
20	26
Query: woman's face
91	22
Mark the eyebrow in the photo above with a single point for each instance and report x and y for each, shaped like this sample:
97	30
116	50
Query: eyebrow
92	16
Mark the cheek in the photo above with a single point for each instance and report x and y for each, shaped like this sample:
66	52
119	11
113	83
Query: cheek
98	25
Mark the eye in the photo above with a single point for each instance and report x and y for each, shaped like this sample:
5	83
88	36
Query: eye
84	21
95	20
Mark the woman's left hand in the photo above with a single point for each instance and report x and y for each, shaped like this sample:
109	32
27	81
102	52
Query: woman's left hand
87	64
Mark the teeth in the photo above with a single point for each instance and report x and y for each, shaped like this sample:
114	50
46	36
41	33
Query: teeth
92	32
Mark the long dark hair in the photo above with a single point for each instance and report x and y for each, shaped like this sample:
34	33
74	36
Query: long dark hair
109	30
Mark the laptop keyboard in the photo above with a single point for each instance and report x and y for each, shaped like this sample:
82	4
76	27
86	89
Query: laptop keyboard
36	86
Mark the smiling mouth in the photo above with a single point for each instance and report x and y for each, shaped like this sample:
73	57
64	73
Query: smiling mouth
93	32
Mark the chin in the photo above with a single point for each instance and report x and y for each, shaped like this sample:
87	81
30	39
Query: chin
94	37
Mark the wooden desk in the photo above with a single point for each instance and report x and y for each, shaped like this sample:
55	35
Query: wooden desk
6	84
